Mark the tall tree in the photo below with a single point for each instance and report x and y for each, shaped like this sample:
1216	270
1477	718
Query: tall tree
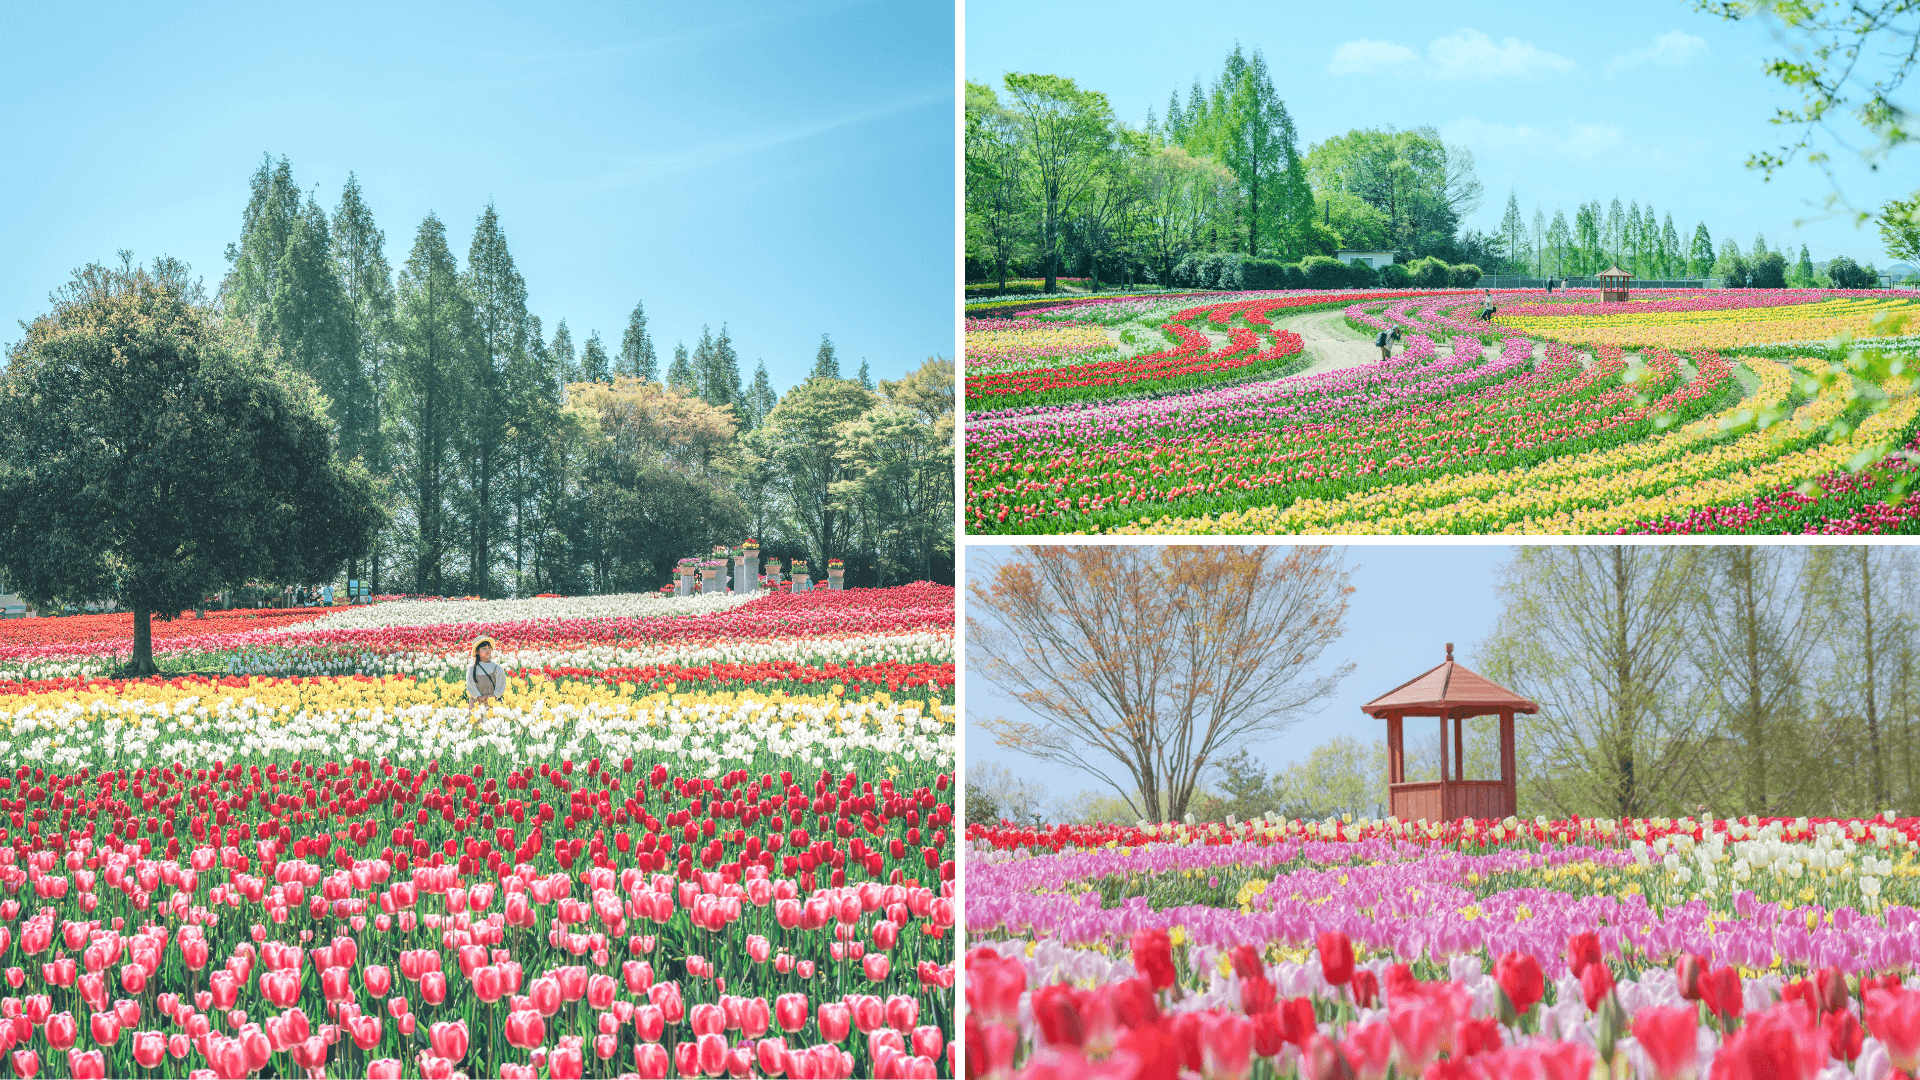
723	375
804	435
174	462
1148	690
266	225
1247	128
1803	275
563	357
1559	242
1700	253
500	326
366	288
1597	636
680	373
1423	186
434	332
309	322
825	363
998	211
594	364
760	397
1065	132
1513	233
636	348
1755	632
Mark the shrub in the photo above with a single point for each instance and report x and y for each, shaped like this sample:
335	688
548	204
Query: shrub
1428	273
1395	277
1847	274
1465	275
1768	271
1263	273
1361	276
1292	277
1324	272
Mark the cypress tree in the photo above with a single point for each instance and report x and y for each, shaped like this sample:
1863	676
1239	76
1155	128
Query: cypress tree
366	286
265	226
433	322
703	374
563	362
825	363
865	379
594	366
680	372
1803	271
307	319
760	397
499	296
636	348
724	379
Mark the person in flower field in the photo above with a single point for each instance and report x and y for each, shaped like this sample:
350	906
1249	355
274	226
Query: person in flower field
485	679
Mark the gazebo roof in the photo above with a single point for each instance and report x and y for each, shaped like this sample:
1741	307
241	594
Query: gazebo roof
1450	688
1615	272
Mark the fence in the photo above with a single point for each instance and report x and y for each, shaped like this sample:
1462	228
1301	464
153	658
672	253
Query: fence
1510	281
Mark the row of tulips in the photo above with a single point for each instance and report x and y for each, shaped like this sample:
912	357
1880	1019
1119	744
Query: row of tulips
1654	948
1300	455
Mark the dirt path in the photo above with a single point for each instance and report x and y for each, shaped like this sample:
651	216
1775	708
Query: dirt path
1331	344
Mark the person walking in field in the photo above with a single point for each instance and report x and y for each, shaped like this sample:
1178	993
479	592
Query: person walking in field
485	679
1384	342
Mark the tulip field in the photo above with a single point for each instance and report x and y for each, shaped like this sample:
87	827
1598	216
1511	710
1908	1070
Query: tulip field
1658	949
1676	412
699	836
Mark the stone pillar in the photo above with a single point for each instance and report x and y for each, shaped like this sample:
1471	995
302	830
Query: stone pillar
711	580
802	580
683	585
837	580
746	574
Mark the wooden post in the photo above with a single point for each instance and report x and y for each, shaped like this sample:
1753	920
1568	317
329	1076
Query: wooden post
1459	754
1396	753
1509	770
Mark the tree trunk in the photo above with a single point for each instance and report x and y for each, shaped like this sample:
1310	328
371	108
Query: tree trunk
140	663
1878	773
1756	723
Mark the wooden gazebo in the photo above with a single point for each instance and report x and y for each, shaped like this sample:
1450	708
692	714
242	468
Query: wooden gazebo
1613	285
1449	692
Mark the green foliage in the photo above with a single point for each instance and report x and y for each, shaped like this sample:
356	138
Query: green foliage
594	365
1463	275
1422	186
1768	271
1264	274
1847	274
1324	272
147	458
1429	273
637	359
1395	276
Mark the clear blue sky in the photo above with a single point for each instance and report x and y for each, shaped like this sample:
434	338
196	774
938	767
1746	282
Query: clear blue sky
785	168
1561	102
1409	600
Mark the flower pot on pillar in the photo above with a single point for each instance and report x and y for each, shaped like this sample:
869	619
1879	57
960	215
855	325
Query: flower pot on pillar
802	578
711	580
836	579
746	574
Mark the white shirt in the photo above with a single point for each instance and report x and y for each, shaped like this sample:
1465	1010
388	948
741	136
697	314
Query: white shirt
485	679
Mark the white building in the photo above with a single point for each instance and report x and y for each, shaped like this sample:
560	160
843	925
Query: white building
1374	259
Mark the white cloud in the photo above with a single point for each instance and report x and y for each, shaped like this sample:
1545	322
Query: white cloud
1671	49
1582	142
1470	54
1368	57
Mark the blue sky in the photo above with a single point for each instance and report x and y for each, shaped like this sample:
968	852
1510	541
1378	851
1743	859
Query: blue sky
785	168
1561	102
1409	600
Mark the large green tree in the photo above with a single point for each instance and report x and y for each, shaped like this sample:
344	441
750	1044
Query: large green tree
148	458
1423	186
435	334
637	360
1245	126
499	297
805	437
1066	133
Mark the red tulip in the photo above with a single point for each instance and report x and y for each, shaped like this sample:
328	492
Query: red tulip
565	1062
105	1028
1582	949
649	1022
383	1069
600	991
1686	975
62	1030
449	1039
1720	991
868	1013
836	1021
927	1041
1774	1045
1336	957
707	1019
1153	957
755	1018
86	1065
1520	976
712	1054
1894	1018
772	1055
650	1060
875	966
903	1013
791	1011
1596	982
433	988
526	1028
377	979
1844	1036
365	1031
686	1057
1365	988
26	1063
149	1048
1226	1044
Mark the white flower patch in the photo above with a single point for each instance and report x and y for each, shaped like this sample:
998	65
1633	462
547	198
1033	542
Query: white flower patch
440	612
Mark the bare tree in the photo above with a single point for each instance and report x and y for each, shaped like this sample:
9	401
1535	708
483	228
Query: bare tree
1146	665
1597	636
1756	633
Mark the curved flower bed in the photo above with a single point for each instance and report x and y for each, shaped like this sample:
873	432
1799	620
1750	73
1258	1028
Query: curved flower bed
1657	948
1672	437
694	844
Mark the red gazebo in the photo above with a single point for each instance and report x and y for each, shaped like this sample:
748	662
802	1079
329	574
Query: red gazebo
1449	692
1613	285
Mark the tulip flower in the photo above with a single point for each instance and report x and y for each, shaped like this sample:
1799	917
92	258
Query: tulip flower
1336	957
1521	979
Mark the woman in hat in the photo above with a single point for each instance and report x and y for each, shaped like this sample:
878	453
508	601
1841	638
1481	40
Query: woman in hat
485	679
